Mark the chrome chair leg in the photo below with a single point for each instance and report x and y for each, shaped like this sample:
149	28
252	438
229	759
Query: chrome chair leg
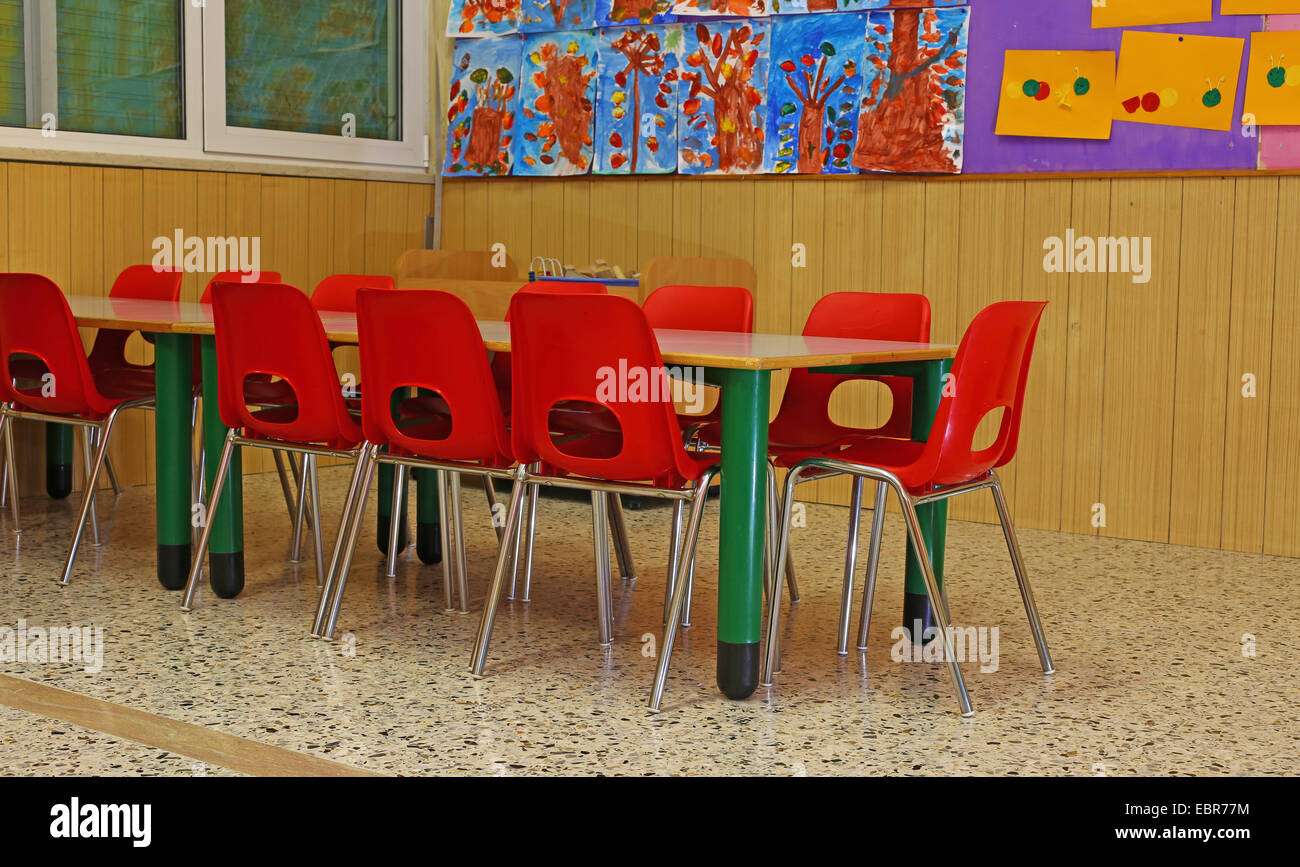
534	493
92	479
4	479
937	603
446	535
462	566
850	567
773	496
679	592
112	474
87	443
873	563
285	487
479	658
491	493
365	462
621	546
516	546
1022	576
214	500
11	468
317	544
600	544
771	640
396	521
300	513
349	533
674	557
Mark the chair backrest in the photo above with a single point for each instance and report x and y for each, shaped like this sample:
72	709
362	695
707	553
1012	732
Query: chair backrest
428	339
804	417
135	281
148	281
455	264
237	277
594	350
271	329
701	308
501	361
35	320
989	373
699	271
338	292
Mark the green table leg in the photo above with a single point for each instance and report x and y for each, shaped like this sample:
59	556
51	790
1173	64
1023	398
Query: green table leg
927	391
174	456
58	460
745	398
428	539
226	546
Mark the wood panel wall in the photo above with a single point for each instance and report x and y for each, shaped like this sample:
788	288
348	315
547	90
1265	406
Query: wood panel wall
81	225
1136	397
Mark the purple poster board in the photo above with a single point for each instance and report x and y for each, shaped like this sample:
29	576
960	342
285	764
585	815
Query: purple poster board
997	25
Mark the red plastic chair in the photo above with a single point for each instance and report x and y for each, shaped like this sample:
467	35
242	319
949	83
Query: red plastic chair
338	292
244	277
429	340
989	375
271	330
36	324
564	348
108	353
701	308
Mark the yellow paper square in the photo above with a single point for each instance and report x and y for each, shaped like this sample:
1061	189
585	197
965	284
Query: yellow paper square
1273	79
1259	7
1041	94
1128	13
1177	80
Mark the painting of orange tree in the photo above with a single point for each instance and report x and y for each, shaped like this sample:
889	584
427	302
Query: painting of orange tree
481	110
721	111
557	109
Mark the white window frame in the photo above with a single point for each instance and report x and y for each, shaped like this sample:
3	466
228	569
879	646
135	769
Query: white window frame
206	136
410	151
42	95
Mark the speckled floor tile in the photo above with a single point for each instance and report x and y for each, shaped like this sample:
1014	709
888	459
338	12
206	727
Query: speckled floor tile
1147	640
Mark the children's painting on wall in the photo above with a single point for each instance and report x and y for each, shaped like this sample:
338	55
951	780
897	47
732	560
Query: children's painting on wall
812	93
637	100
720	117
557	104
913	102
481	112
542	16
482	17
613	13
737	8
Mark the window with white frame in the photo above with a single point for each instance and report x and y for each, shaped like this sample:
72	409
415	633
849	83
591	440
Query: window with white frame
326	81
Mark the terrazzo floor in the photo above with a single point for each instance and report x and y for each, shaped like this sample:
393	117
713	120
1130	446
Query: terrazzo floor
1153	677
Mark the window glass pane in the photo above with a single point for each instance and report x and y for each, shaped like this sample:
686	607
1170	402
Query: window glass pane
119	67
330	67
13	80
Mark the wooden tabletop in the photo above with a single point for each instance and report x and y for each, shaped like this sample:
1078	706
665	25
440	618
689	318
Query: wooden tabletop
719	349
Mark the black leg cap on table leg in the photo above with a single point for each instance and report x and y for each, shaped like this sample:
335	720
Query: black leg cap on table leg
383	527
428	543
58	480
917	612
226	574
173	565
737	669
